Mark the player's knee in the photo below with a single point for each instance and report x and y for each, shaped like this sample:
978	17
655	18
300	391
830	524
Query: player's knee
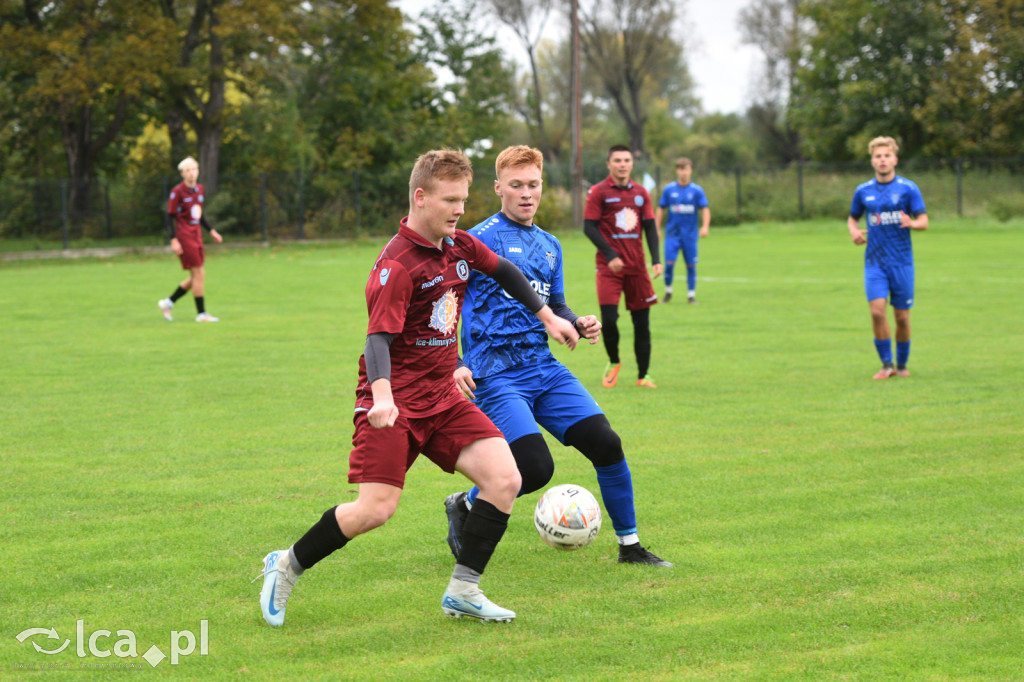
373	516
595	438
534	461
609	314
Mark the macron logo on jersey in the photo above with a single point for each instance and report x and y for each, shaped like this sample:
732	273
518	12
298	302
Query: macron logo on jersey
384	276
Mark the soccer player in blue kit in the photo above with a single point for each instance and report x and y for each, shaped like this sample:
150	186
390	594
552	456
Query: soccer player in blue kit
683	200
509	370
894	207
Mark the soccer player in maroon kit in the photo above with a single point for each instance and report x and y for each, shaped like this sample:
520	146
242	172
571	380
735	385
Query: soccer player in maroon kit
183	218
407	402
617	216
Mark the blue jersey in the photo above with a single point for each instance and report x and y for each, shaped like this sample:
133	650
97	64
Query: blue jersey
683	203
497	331
888	243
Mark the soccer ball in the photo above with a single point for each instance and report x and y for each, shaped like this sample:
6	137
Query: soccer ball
567	517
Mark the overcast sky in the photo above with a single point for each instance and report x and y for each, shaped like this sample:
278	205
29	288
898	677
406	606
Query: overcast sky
722	68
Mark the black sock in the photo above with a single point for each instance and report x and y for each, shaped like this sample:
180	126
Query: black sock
610	332
642	340
178	293
200	305
324	538
483	530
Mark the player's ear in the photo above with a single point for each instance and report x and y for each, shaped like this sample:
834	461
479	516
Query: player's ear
418	196
497	184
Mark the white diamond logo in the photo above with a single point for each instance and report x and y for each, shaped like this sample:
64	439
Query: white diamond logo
154	656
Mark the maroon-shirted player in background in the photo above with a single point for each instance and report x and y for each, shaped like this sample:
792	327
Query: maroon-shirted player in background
183	219
617	216
407	402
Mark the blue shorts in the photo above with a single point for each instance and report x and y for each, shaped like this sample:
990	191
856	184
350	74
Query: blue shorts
895	283
546	393
686	242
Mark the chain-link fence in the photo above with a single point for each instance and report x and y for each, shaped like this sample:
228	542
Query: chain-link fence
297	205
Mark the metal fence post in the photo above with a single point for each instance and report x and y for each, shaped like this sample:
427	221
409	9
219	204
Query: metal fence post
960	187
64	212
355	181
739	195
263	206
302	209
163	183
106	198
800	185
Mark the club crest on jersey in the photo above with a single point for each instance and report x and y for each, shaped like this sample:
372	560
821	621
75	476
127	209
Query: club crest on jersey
550	258
384	275
626	220
446	309
638	200
462	270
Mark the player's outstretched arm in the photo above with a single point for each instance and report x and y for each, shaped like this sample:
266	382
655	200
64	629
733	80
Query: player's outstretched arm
589	328
558	328
514	282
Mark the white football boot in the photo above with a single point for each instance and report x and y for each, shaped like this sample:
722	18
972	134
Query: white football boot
465	599
165	305
278	581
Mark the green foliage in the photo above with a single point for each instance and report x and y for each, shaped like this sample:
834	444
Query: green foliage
823	525
1006	207
942	78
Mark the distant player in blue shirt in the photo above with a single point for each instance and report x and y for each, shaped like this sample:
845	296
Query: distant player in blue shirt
894	207
513	377
683	201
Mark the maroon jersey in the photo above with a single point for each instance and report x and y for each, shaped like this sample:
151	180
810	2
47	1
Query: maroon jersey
415	292
186	205
621	212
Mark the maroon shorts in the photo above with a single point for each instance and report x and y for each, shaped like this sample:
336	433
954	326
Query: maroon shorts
638	289
385	455
192	254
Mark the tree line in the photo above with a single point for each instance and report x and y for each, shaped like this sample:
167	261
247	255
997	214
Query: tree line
119	88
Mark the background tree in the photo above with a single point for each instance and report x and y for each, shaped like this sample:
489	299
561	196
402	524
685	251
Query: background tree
867	70
218	43
475	86
977	107
773	26
527	19
78	70
634	49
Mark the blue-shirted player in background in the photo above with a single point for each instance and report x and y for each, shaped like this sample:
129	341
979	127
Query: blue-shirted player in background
683	200
894	207
510	371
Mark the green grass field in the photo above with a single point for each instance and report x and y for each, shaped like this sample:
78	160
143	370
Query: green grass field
823	525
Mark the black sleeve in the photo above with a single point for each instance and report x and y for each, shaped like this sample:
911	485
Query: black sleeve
565	312
652	239
202	221
593	232
169	226
515	283
378	356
